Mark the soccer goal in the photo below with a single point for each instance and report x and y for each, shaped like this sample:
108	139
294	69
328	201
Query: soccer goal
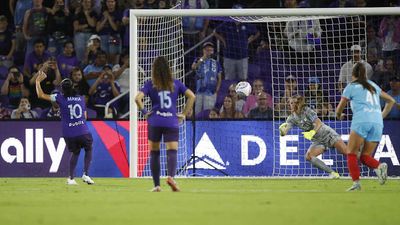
307	46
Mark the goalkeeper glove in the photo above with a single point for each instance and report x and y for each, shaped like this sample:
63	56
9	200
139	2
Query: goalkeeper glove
282	129
309	134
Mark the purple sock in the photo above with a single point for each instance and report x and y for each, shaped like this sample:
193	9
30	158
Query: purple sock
88	160
155	166
171	162
72	164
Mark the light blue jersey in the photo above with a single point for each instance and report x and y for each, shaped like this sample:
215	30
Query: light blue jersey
366	106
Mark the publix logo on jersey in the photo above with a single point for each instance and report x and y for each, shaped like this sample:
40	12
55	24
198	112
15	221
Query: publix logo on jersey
31	149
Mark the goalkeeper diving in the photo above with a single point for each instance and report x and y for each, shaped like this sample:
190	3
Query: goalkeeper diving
321	135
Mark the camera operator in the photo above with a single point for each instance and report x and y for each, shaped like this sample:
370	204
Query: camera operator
13	87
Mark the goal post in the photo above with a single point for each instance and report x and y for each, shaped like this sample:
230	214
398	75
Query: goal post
167	23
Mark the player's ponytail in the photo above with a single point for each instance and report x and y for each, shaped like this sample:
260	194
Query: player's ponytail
360	72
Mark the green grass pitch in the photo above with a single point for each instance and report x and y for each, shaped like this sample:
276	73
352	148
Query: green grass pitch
202	201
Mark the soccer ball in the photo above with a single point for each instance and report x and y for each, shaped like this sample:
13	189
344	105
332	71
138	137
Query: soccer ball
243	88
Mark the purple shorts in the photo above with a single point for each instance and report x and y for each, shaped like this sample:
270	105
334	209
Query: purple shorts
170	134
74	144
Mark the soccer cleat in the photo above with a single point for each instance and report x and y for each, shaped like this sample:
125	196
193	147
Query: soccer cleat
87	179
171	182
156	189
381	173
71	182
355	187
334	175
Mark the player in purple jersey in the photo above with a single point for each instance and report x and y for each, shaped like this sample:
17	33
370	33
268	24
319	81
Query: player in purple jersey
163	119
74	128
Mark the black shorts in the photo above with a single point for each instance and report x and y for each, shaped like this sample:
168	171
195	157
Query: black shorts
170	134
74	144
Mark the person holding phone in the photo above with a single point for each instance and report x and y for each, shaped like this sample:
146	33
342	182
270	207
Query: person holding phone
24	111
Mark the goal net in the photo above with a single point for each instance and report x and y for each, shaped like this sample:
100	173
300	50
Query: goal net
304	56
158	36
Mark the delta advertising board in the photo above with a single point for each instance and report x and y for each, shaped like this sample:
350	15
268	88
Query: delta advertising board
235	148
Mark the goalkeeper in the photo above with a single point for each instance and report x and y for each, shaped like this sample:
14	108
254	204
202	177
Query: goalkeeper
321	135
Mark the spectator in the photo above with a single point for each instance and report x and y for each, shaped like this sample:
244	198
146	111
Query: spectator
303	35
374	46
151	4
67	59
228	110
36	57
347	68
7	43
35	24
262	111
103	90
125	24
389	31
24	111
93	46
316	98
235	38
291	89
163	4
5	113
21	6
79	82
108	28
251	100
59	27
213	114
341	4
52	80
395	93
93	71
121	72
84	23
139	4
52	113
194	28
14	87
384	74
208	78
239	102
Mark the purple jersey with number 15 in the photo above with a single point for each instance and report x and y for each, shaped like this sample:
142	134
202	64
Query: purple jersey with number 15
72	114
164	104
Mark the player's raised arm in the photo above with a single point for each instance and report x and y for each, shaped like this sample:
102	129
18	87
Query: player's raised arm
389	103
40	77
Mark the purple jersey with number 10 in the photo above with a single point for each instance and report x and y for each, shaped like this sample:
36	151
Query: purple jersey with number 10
164	104
72	114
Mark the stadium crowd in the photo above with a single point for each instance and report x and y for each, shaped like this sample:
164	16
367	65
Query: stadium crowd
88	41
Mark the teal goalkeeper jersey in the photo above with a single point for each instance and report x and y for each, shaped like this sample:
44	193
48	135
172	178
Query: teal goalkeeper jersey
366	106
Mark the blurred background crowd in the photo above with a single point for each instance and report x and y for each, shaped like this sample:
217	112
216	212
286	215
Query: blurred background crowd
88	41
